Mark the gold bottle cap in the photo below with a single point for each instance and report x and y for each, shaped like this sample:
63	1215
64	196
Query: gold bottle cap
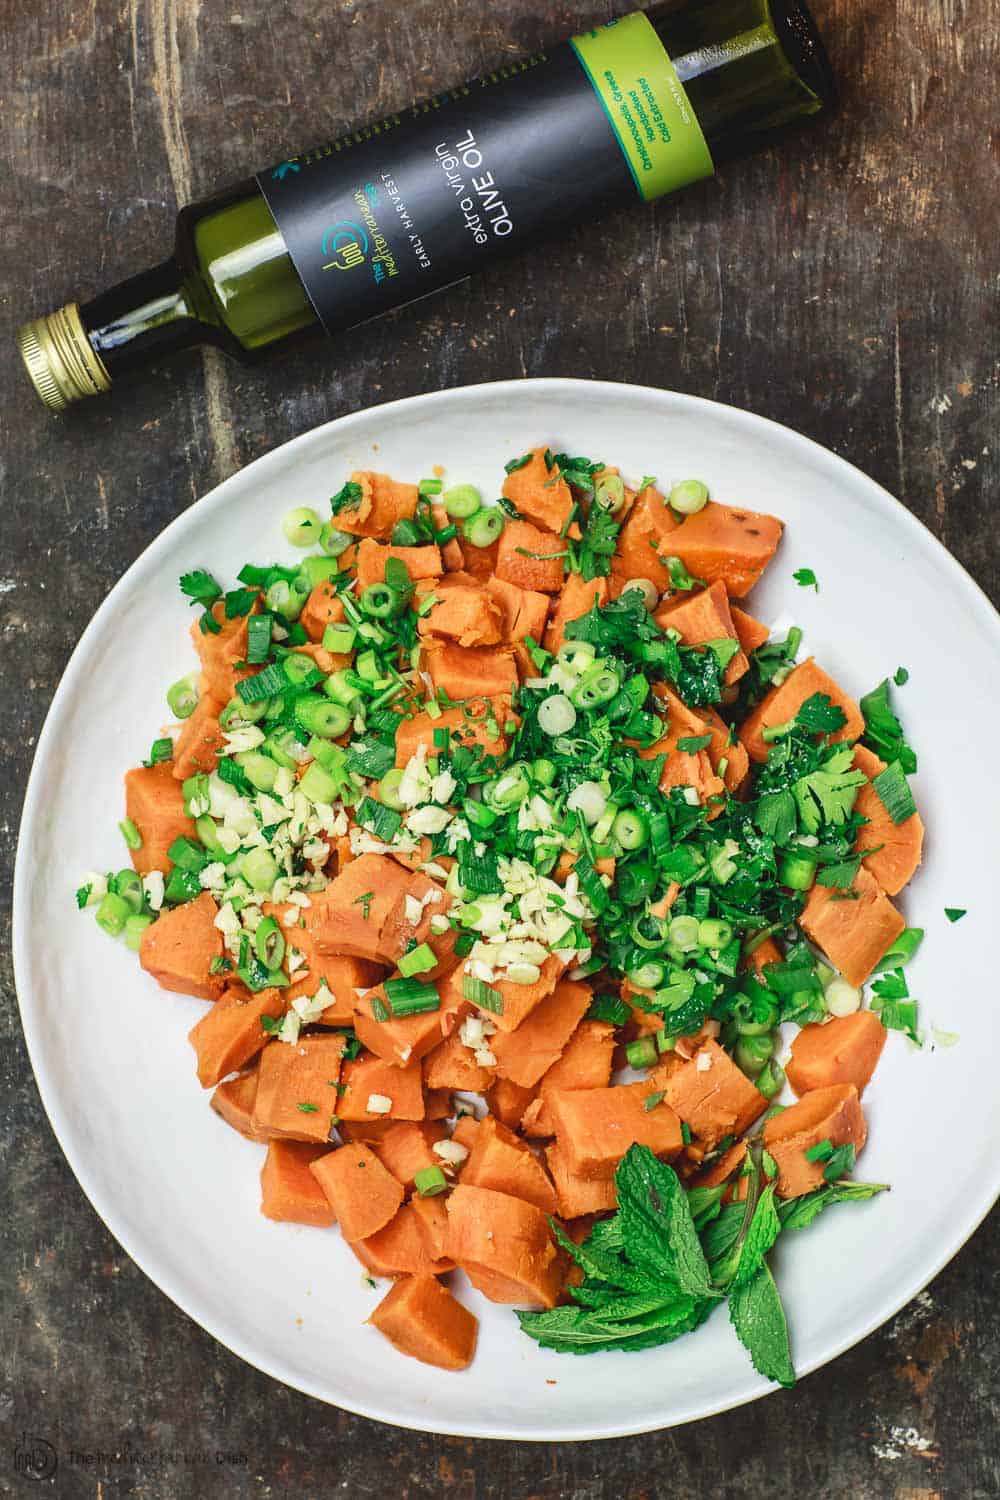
60	360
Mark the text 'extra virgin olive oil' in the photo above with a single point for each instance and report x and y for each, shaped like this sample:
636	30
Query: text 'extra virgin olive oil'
629	111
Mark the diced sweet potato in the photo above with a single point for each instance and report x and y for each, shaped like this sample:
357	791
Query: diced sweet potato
683	767
342	976
781	704
595	1127
367	1076
219	653
155	803
421	1318
712	1096
323	607
464	1130
508	1101
585	1064
420	562
702	617
750	632
525	1054
853	933
432	1216
481	562
230	1034
504	1243
524	611
453	1066
468	616
363	1193
347	919
179	948
297	1088
519	1000
723	1167
406	1148
233	1101
766	952
645	540
402	1248
404	929
577	598
451	552
380	503
830	1114
200	740
578	1195
501	1161
470	725
400	1039
289	1191
437	1104
897	846
530	557
845	1049
464	672
727	543
327	661
728	757
540	493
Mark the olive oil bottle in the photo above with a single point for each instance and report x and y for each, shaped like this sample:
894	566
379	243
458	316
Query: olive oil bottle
627	112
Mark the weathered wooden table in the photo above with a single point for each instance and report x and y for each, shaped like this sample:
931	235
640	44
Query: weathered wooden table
846	286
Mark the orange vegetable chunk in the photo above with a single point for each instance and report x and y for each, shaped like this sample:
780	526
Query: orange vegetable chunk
831	1114
897	847
723	542
585	1064
366	1076
420	1317
467	615
504	1245
712	1096
854	934
465	726
845	1049
645	541
579	1195
469	671
525	1054
402	1248
200	740
230	1034
406	1148
155	803
531	558
702	617
348	918
595	1127
179	948
297	1088
781	704
233	1101
420	562
363	1193
289	1191
540	493
323	607
577	598
221	652
500	1160
379	505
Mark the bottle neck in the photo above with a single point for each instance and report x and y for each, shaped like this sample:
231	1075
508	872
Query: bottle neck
149	315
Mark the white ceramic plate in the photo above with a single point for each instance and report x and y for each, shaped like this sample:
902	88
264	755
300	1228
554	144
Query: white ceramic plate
179	1189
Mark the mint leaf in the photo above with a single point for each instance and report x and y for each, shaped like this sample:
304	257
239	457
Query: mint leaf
759	1319
797	1213
657	1228
765	1226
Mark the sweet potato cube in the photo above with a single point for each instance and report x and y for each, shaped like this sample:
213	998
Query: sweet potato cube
505	1244
540	493
323	607
845	1049
577	598
702	617
402	1248
179	948
897	847
712	1096
363	1193
781	704
531	558
200	740
453	1066
855	933
230	1034
348	918
377	505
366	1077
749	632
722	542
508	1101
501	1161
525	1054
579	1195
728	757
420	1317
155	803
645	541
831	1114
406	1148
233	1101
469	616
432	1216
419	562
289	1191
519	1000
464	672
297	1088
220	653
585	1063
471	725
524	611
595	1127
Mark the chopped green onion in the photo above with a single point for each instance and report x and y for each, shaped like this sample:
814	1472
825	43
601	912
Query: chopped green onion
335	542
259	869
596	688
556	715
462	501
894	793
430	486
181	886
182	696
429	1181
419	960
302	526
321	717
128	885
287	599
269	943
609	493
642	1053
339	639
260	770
388	789
688	497
382	822
630	829
902	950
135	926
112	914
483	529
771	1079
258	638
752	1052
714	934
380	602
317	784
130	833
797	872
482	994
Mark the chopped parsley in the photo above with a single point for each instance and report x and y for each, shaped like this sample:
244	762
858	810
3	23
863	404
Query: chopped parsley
806	579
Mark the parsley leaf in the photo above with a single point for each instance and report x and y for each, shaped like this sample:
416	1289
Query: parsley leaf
955	913
348	497
596	547
806	579
900	676
883	731
83	896
820	715
200	587
690	744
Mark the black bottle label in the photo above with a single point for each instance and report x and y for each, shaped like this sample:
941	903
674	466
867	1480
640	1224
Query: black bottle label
399	209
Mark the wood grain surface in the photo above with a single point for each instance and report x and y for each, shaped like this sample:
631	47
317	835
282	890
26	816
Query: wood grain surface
846	286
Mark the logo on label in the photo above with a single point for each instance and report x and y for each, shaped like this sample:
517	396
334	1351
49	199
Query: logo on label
346	244
35	1458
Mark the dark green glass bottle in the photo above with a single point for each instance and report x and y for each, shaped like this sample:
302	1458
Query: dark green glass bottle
403	207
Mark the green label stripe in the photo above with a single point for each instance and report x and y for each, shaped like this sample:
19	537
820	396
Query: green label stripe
645	102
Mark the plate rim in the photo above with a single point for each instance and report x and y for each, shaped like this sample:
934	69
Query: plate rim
217	497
